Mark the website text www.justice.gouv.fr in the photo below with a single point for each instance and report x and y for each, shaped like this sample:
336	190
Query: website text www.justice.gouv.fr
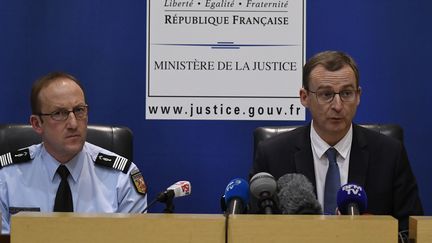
223	110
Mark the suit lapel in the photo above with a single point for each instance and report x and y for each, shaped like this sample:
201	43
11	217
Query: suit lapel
303	157
359	158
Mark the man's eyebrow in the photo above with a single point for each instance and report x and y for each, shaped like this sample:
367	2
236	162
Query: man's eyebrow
75	106
324	87
59	108
348	86
332	88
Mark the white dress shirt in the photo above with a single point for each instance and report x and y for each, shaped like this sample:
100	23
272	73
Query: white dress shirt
319	147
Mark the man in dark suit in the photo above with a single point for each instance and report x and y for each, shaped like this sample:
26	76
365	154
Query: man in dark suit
376	162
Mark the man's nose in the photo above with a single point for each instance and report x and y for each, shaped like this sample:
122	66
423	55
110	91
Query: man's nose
337	102
72	120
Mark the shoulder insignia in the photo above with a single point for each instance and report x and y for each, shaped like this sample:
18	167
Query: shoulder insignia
138	181
116	162
16	157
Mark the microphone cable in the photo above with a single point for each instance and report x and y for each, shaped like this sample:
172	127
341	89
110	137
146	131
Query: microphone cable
149	205
226	226
403	236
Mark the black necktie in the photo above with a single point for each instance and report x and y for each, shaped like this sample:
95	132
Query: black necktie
63	200
332	183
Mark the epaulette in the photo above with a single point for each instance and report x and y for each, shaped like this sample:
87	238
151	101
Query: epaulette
115	162
20	156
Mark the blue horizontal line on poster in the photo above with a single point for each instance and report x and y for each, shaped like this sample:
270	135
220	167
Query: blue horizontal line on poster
227	45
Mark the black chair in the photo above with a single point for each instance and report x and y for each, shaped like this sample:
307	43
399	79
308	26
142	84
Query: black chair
263	133
114	138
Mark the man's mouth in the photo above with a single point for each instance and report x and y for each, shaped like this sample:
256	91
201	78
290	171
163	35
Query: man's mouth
73	136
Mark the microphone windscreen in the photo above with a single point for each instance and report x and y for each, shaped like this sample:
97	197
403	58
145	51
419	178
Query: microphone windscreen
262	182
237	188
296	195
294	179
181	188
351	193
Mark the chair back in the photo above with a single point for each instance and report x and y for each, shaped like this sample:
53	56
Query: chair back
263	133
116	139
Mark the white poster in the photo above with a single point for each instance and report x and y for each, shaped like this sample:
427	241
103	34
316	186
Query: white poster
225	60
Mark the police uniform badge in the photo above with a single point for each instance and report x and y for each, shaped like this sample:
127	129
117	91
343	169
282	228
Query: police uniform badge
138	181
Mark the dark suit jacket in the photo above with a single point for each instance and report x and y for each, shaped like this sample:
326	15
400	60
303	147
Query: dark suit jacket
378	163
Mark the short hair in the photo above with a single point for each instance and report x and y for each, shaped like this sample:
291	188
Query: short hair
331	61
42	83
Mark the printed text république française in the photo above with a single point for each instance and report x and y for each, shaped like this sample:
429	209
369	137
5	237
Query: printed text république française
179	19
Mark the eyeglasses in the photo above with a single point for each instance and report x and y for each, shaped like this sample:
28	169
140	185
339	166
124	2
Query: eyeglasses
327	96
80	113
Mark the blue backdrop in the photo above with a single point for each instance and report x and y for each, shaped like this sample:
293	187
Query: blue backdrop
102	42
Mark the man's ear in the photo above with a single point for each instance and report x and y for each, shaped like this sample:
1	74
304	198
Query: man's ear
358	95
304	97
36	123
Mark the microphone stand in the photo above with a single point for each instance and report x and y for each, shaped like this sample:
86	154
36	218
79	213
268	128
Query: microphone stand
166	198
266	203
169	205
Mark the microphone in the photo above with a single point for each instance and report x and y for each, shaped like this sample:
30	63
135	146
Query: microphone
236	196
223	203
263	187
178	189
351	200
296	195
294	178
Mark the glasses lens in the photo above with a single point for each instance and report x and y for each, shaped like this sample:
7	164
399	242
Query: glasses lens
80	112
347	95
60	115
325	96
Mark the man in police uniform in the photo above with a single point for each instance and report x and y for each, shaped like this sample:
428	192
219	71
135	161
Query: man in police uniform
94	179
